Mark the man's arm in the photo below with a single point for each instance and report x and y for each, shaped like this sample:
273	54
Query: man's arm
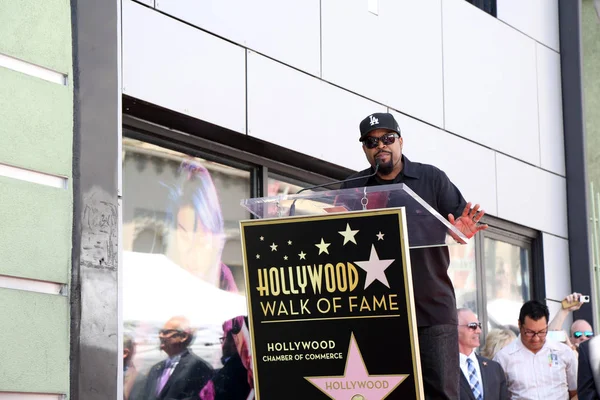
449	199
570	358
559	319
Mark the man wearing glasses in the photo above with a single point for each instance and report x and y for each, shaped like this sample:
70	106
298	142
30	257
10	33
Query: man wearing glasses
182	374
536	368
434	294
481	378
581	331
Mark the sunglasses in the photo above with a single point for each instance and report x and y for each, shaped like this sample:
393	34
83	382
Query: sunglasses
165	332
473	325
372	142
578	334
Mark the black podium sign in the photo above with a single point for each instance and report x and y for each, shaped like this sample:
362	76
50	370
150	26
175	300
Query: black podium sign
330	307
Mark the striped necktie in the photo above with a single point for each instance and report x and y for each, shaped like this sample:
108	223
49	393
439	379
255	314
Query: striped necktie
473	380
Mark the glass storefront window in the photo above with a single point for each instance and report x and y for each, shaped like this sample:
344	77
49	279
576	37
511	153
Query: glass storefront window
184	307
463	273
280	185
507	271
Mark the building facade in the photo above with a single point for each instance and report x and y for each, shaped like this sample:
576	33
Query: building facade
121	188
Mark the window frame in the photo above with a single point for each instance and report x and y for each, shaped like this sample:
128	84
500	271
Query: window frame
517	235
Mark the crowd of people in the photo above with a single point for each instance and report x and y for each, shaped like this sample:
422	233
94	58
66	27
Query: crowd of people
535	365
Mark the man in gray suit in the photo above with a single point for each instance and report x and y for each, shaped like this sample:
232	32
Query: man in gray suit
481	378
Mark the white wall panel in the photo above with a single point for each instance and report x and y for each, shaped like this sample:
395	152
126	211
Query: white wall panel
288	31
394	57
300	112
490	83
531	196
179	67
556	271
146	2
536	18
470	167
552	147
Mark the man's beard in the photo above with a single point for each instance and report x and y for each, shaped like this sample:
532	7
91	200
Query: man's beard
385	168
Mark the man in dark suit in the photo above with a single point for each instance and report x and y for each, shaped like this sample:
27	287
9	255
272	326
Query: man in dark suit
588	371
481	378
183	374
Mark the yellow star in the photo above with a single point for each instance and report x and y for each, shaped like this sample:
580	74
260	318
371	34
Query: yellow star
302	255
273	247
348	235
323	246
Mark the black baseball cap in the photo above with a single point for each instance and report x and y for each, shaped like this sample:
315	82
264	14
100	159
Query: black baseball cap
378	121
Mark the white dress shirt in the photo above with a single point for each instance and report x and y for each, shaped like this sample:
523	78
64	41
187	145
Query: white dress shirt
465	368
548	374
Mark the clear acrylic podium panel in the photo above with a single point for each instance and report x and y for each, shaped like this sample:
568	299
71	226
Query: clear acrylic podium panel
426	227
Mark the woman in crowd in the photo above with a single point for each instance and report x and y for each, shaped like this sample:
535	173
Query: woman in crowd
496	340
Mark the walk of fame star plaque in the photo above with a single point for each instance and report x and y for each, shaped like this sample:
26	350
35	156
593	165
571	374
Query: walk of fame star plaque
330	307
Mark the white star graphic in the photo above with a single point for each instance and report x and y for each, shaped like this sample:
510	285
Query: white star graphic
258	256
262	238
375	268
302	255
348	235
323	246
285	258
290	242
380	235
273	247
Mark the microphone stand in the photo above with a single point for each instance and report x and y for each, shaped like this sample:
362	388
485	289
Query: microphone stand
293	206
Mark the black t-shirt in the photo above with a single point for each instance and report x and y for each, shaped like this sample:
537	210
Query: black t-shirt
433	291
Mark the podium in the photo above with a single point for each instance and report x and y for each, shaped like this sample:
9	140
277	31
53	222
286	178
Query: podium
330	291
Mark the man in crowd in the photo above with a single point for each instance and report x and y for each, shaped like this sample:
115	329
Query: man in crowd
588	372
536	368
434	294
182	374
481	378
133	381
580	330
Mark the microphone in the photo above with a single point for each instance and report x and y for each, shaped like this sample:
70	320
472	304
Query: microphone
293	206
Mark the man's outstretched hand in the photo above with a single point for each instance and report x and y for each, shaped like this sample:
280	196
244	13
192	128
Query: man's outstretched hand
467	223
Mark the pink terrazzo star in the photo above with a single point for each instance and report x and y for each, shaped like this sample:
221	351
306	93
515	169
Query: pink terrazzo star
356	383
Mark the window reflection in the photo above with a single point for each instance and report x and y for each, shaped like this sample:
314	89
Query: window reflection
184	307
279	185
463	273
507	282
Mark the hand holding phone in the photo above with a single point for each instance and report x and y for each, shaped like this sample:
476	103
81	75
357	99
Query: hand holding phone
574	300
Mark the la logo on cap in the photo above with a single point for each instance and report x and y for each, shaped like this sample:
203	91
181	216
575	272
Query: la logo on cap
373	120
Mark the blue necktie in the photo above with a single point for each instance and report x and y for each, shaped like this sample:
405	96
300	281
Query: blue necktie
473	380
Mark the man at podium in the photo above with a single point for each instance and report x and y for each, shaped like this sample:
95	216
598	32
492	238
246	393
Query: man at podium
435	303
